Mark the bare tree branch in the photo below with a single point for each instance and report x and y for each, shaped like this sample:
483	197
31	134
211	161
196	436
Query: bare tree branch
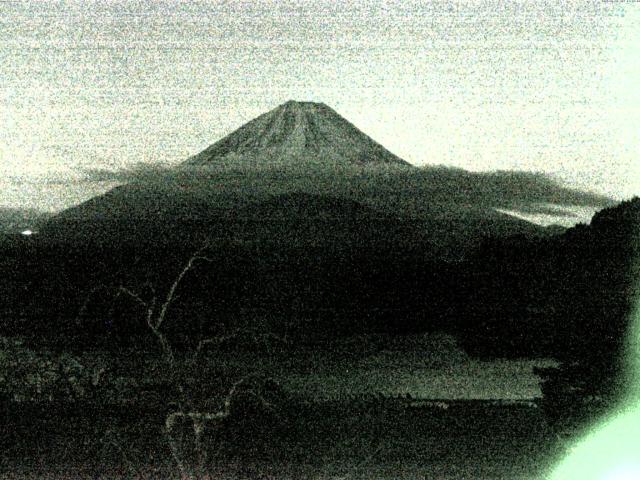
131	294
199	420
211	341
155	318
85	304
174	287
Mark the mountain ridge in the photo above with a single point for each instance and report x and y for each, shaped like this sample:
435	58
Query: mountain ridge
307	148
306	132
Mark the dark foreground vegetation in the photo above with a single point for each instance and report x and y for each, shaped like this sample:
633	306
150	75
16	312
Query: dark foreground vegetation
278	272
233	411
301	439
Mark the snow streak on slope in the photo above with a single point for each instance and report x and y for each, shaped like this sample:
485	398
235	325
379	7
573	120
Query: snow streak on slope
297	132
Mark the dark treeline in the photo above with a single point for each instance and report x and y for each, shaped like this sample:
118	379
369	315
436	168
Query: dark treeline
305	292
516	296
311	275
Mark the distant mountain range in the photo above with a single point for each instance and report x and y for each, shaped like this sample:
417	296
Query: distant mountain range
315	228
300	153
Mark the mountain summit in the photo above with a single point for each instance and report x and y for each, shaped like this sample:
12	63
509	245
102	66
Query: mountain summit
294	133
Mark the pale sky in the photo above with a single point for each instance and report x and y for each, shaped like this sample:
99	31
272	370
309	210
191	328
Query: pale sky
482	85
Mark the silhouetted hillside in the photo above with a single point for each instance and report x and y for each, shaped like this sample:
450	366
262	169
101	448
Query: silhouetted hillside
15	220
457	209
304	147
595	318
339	237
569	295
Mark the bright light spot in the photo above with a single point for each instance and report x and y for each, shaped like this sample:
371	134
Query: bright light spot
625	473
27	232
610	452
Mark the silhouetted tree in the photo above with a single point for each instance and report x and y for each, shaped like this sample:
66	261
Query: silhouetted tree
600	272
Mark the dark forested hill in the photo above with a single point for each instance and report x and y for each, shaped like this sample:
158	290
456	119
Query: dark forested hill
305	148
568	295
310	225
